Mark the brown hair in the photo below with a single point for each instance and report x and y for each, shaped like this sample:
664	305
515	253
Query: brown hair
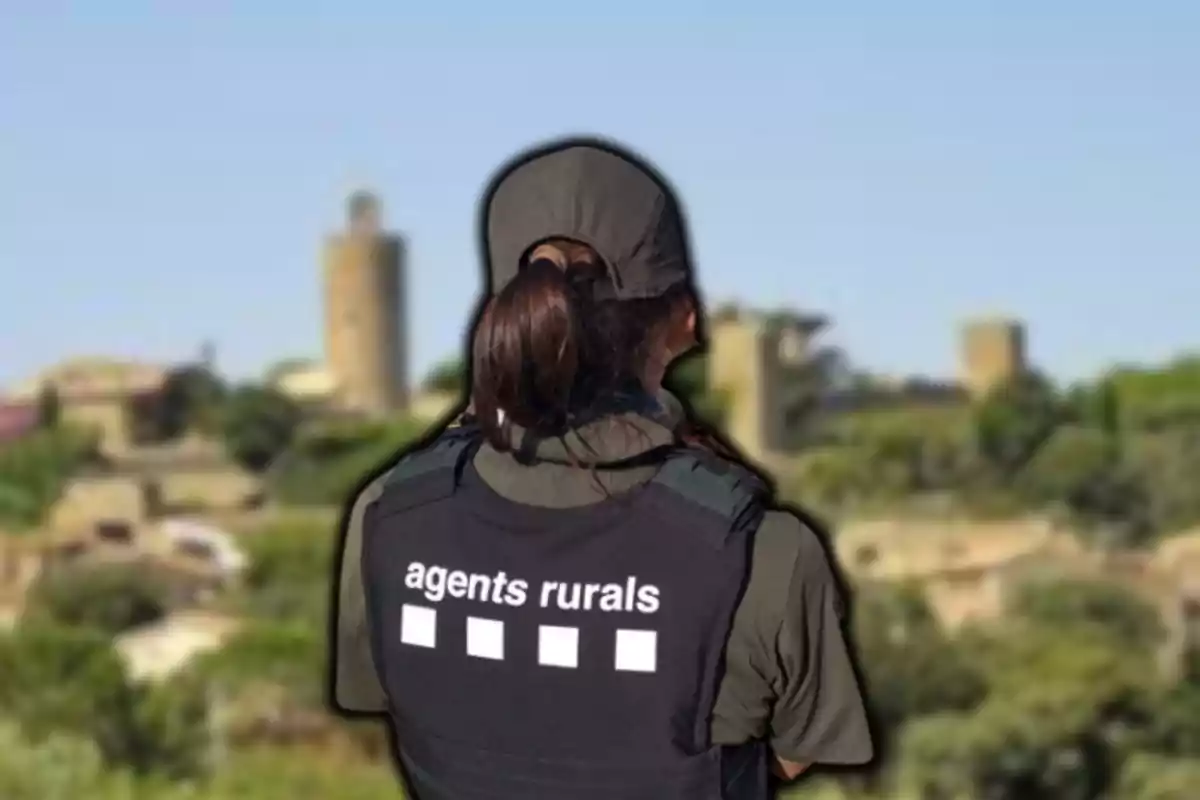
545	353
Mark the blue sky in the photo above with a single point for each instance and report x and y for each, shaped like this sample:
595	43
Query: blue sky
166	175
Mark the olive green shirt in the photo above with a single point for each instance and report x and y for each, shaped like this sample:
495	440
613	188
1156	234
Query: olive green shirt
788	675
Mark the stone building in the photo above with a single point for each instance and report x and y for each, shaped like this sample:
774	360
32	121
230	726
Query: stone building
188	475
135	478
965	567
103	394
759	362
993	352
365	328
151	483
969	570
309	384
194	575
751	356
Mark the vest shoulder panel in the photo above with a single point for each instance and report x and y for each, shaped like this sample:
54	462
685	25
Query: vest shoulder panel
715	484
430	473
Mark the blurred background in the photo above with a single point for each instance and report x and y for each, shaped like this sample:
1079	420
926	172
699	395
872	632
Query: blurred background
951	265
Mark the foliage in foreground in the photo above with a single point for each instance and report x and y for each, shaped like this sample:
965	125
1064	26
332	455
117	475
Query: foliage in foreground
58	680
1099	457
63	767
34	471
1061	701
327	463
110	599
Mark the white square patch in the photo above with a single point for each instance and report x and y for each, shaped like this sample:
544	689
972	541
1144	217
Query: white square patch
637	651
418	626
558	646
485	638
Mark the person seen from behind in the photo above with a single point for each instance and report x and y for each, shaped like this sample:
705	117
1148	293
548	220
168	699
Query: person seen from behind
576	593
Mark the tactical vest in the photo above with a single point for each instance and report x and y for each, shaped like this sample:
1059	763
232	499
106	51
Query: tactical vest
531	653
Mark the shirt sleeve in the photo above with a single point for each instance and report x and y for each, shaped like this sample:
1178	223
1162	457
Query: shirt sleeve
356	685
819	715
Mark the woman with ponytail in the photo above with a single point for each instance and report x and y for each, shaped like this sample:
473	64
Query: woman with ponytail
579	592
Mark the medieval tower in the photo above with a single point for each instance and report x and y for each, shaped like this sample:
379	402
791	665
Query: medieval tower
992	353
755	360
365	332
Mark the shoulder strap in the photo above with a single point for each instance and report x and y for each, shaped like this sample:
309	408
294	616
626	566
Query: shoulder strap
432	472
724	487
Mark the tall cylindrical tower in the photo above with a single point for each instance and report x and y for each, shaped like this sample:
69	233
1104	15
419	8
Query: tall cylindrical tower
365	336
992	353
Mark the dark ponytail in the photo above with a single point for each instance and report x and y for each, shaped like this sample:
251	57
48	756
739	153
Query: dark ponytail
527	354
698	434
545	352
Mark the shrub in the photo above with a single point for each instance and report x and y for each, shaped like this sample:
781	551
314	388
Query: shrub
109	598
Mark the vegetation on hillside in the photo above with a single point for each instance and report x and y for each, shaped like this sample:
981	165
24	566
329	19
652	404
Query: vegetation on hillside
35	469
1062	699
1088	454
110	599
327	461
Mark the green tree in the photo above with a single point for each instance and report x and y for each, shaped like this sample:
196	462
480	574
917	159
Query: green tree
1175	727
687	377
326	464
912	667
61	680
1152	777
108	598
1099	606
49	407
1015	420
804	388
19	508
1115	510
192	399
937	758
829	479
288	576
1086	468
945	460
58	767
54	678
449	376
1067	463
34	470
1096	407
896	463
1062	708
1168	462
165	730
1159	397
687	380
288	655
258	424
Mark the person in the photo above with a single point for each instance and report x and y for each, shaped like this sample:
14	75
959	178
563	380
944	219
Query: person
575	591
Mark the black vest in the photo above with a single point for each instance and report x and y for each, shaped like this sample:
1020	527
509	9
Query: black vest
559	654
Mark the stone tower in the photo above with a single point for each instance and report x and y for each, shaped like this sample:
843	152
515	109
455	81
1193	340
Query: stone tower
365	331
752	357
992	353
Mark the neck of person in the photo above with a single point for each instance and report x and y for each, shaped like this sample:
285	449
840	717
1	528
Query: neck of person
652	378
614	403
